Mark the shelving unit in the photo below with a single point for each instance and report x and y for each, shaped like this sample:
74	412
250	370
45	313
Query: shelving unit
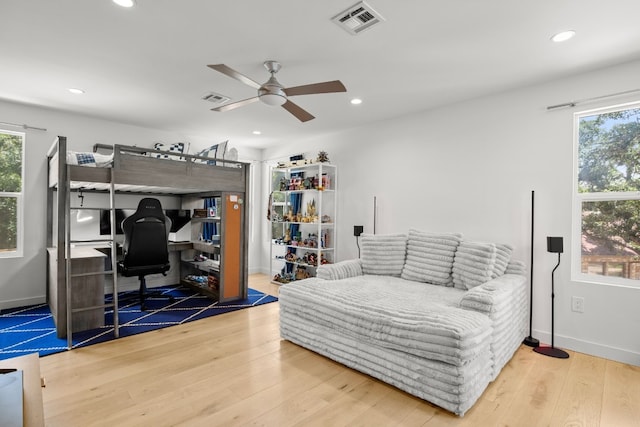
217	253
302	213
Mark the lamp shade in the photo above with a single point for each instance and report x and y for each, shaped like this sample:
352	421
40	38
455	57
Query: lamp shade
554	244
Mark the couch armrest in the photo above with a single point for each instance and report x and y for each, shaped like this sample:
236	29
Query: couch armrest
504	300
489	297
340	270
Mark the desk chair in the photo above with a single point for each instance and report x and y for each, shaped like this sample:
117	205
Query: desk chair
146	247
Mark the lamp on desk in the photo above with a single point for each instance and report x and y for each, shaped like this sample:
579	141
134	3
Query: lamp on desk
554	245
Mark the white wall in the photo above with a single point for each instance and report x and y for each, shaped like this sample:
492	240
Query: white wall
23	280
468	167
471	168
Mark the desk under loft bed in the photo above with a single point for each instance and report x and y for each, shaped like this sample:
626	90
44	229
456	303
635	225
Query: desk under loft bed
76	269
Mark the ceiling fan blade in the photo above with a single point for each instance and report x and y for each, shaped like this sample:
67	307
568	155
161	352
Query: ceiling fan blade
297	111
325	87
235	105
234	75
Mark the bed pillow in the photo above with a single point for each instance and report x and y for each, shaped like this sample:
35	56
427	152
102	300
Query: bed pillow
217	151
383	254
430	257
178	147
89	159
503	256
473	264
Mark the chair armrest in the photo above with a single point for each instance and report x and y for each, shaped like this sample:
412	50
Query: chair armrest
340	270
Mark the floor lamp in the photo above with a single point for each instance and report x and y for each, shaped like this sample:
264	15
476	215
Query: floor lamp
554	245
530	340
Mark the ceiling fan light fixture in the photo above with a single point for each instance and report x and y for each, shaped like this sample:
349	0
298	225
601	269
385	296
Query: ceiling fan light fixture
273	99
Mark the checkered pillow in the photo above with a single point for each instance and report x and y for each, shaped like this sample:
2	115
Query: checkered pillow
89	159
217	151
178	147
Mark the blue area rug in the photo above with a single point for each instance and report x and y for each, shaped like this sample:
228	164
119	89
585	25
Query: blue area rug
31	329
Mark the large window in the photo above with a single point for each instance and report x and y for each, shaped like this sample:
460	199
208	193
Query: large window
11	193
607	196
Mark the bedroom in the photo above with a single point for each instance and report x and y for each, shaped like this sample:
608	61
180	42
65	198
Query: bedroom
467	166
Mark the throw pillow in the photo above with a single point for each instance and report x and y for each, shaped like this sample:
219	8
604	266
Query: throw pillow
178	147
473	264
383	254
216	151
89	159
430	257
503	256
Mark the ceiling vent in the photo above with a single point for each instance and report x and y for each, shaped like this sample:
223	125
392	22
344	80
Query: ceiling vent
216	98
358	18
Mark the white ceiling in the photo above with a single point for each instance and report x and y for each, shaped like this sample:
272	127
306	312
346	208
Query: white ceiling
147	65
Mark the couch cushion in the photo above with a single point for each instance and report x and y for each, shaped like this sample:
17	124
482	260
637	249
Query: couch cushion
516	267
473	264
430	257
383	254
503	256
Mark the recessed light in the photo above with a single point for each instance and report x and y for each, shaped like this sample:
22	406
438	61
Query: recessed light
563	36
124	3
257	132
76	91
356	101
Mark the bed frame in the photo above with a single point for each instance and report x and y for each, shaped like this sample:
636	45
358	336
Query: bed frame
190	177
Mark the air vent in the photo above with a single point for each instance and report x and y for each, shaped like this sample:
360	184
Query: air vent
216	98
358	18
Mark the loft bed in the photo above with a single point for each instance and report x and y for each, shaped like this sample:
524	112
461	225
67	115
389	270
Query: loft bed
129	169
136	169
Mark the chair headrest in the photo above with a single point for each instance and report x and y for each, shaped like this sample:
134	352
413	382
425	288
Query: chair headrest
149	207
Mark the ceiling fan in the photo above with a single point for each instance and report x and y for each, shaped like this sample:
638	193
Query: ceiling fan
273	93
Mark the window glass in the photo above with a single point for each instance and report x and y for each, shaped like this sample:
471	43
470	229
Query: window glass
607	195
11	187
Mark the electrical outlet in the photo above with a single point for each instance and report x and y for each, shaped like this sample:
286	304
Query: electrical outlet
577	304
357	230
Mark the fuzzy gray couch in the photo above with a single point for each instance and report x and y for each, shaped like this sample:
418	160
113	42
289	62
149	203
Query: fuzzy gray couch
430	313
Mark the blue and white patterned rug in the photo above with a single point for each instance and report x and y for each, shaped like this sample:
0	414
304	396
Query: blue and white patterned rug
31	329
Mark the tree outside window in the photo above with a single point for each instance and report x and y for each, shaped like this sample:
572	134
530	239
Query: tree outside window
11	188
607	194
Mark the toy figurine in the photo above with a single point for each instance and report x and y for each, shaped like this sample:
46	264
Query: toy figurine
323	157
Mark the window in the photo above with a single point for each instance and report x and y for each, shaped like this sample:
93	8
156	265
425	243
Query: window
11	193
607	196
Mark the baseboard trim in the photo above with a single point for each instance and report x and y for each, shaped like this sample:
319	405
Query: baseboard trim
590	348
22	302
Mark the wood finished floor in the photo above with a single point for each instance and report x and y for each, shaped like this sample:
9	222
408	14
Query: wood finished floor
233	369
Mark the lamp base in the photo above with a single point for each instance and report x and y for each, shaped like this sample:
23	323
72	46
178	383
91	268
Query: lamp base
531	341
552	352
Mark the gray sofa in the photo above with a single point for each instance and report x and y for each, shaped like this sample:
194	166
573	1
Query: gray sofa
430	313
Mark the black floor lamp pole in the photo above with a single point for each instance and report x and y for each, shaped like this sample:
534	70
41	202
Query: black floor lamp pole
554	244
530	340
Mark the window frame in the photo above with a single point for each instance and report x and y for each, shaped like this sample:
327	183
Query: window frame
19	196
578	198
